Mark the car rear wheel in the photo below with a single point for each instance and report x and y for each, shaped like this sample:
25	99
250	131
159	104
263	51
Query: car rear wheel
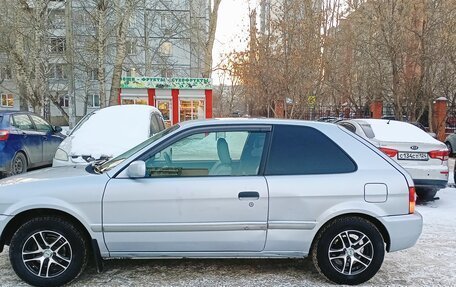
18	164
426	194
349	250
48	251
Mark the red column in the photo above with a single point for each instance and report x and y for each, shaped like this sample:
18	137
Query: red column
175	97
208	94
377	109
439	118
118	97
151	96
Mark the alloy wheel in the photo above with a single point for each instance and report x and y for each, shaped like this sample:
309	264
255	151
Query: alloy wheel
47	254
351	252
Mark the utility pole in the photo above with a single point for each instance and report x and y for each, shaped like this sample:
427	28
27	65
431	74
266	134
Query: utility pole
70	62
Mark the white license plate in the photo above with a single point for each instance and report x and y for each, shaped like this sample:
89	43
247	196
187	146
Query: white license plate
412	156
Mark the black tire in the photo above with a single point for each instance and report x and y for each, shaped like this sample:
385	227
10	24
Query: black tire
426	193
338	270
69	251
449	147
18	164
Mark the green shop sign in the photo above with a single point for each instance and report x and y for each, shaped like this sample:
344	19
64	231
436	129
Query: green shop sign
166	83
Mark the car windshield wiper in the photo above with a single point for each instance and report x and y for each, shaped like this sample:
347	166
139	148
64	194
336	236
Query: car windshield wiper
96	165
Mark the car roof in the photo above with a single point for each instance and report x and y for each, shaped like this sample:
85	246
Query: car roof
252	121
14	112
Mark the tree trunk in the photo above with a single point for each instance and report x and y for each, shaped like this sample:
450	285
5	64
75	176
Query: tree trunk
123	15
210	40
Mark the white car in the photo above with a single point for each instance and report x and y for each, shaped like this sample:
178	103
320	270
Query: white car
425	158
107	133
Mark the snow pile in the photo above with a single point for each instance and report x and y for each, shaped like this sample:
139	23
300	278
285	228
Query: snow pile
112	131
396	131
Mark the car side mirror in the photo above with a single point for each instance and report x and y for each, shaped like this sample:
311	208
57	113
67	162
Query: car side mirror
57	129
136	169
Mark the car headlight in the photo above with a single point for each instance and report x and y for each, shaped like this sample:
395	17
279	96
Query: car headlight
60	154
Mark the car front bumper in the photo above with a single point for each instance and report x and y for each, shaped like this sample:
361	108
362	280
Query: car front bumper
4	219
403	230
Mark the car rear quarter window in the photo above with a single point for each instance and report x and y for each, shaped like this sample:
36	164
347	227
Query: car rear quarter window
299	150
367	129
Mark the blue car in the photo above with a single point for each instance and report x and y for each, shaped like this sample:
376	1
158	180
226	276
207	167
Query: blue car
26	141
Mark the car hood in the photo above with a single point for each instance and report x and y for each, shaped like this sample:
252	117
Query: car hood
98	147
47	174
59	188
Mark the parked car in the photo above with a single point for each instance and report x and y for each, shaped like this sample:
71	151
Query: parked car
450	142
26	141
329	119
217	188
108	132
422	127
425	158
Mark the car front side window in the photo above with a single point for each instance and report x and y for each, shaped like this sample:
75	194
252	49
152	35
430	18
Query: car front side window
41	125
224	153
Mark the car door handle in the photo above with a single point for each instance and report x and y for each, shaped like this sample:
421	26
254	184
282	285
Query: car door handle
248	195
45	138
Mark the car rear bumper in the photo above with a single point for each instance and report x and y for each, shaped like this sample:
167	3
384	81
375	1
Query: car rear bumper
5	159
403	230
429	176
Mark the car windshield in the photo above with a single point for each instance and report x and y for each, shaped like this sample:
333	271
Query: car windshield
81	122
103	167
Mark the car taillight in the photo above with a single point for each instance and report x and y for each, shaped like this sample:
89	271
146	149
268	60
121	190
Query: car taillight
4	135
389	151
411	199
439	154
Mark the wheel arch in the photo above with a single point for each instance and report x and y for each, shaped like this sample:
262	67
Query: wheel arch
24	216
373	220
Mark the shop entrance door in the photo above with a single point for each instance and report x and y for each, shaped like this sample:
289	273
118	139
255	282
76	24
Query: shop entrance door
166	108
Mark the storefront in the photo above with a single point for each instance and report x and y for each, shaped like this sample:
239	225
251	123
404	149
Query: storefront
178	99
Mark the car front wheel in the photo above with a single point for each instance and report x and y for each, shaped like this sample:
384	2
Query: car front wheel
48	251
348	250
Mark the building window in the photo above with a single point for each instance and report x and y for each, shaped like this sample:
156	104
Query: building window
130	47
64	100
93	101
165	21
166	49
134	101
131	72
58	71
7	100
58	20
58	45
93	74
192	110
5	73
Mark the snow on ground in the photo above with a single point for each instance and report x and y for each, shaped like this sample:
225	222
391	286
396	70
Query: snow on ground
431	262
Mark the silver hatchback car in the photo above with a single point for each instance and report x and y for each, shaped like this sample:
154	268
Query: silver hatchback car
217	188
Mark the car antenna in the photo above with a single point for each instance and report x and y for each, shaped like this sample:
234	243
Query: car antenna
388	122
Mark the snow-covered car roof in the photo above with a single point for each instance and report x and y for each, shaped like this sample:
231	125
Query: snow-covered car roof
397	131
112	130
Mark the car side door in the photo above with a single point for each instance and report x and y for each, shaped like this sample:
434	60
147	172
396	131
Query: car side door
199	195
51	139
32	141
